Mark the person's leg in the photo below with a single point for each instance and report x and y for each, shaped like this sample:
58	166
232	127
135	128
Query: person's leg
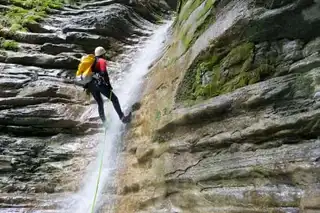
106	91
94	90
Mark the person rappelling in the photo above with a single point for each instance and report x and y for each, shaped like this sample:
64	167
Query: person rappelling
93	76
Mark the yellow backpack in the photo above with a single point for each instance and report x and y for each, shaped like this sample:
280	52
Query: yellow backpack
84	73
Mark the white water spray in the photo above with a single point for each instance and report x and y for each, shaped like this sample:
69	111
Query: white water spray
128	91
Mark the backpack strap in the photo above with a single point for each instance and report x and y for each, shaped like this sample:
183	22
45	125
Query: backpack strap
93	67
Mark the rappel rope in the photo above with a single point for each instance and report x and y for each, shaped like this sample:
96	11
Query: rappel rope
100	166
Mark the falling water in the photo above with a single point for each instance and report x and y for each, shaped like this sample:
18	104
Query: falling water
127	90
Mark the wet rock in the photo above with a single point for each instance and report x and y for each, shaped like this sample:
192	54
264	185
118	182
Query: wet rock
41	60
46	140
292	13
311	199
312	47
4	2
4	8
119	20
87	41
292	50
306	64
78	11
7	83
172	3
38	163
32	38
103	3
37	28
143	153
40	116
55	49
252	148
47	89
20	102
5	164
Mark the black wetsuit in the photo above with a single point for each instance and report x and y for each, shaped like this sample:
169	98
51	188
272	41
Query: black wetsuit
102	86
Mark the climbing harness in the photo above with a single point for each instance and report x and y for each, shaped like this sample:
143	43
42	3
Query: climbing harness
100	166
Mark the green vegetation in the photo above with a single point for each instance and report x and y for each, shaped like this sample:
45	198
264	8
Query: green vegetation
185	36
23	13
226	71
187	32
207	7
9	45
207	21
189	7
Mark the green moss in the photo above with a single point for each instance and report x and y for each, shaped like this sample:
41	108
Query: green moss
40	4
265	70
25	12
260	172
188	8
238	54
186	37
222	83
9	45
203	21
18	18
212	89
228	72
207	7
235	83
209	20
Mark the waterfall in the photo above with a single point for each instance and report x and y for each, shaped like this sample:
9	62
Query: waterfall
128	90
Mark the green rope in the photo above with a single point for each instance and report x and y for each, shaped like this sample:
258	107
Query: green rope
99	175
100	168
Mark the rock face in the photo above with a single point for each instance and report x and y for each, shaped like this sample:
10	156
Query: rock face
229	120
45	141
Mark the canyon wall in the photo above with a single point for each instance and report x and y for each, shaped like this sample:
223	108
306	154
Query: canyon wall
229	118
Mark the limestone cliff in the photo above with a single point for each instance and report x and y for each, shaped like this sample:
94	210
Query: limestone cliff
48	132
228	120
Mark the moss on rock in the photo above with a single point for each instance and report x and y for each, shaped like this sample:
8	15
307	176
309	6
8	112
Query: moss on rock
228	70
238	54
18	18
188	8
24	12
187	32
9	45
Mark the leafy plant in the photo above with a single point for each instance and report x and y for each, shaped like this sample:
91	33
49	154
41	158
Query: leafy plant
9	44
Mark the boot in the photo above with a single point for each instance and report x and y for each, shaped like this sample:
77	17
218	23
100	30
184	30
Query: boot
126	119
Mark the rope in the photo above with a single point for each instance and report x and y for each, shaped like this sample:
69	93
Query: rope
99	174
100	167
